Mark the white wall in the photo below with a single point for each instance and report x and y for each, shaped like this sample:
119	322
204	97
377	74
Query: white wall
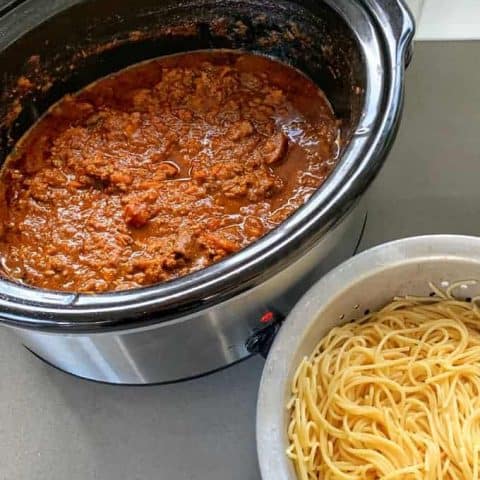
447	19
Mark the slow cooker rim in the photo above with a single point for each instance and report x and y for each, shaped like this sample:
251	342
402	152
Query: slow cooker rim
80	312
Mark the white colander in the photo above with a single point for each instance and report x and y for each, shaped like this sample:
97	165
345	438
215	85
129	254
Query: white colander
365	282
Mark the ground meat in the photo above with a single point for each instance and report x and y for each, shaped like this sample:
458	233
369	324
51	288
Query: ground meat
162	169
137	214
241	130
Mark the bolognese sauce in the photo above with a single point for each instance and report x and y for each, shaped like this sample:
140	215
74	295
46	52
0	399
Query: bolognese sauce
162	169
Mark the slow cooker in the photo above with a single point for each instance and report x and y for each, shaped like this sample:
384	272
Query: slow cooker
355	50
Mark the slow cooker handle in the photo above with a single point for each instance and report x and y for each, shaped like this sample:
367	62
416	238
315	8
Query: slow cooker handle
396	17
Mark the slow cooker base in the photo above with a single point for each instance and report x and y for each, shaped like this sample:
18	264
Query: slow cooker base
152	384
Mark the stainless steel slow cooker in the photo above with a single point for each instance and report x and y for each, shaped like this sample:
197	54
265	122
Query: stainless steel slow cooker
355	50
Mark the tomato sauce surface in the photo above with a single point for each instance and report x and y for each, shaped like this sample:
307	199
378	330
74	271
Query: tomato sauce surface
162	169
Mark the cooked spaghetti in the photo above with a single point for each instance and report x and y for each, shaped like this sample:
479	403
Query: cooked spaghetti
394	395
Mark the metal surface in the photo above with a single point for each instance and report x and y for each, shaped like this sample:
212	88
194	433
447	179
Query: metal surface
7	5
197	343
54	426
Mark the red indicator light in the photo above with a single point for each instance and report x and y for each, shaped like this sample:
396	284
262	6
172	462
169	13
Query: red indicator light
266	317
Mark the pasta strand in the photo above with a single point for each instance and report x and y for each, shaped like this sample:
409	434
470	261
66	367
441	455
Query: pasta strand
393	395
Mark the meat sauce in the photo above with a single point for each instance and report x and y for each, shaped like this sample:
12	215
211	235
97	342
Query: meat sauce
162	169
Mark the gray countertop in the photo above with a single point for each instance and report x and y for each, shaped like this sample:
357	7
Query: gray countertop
54	426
